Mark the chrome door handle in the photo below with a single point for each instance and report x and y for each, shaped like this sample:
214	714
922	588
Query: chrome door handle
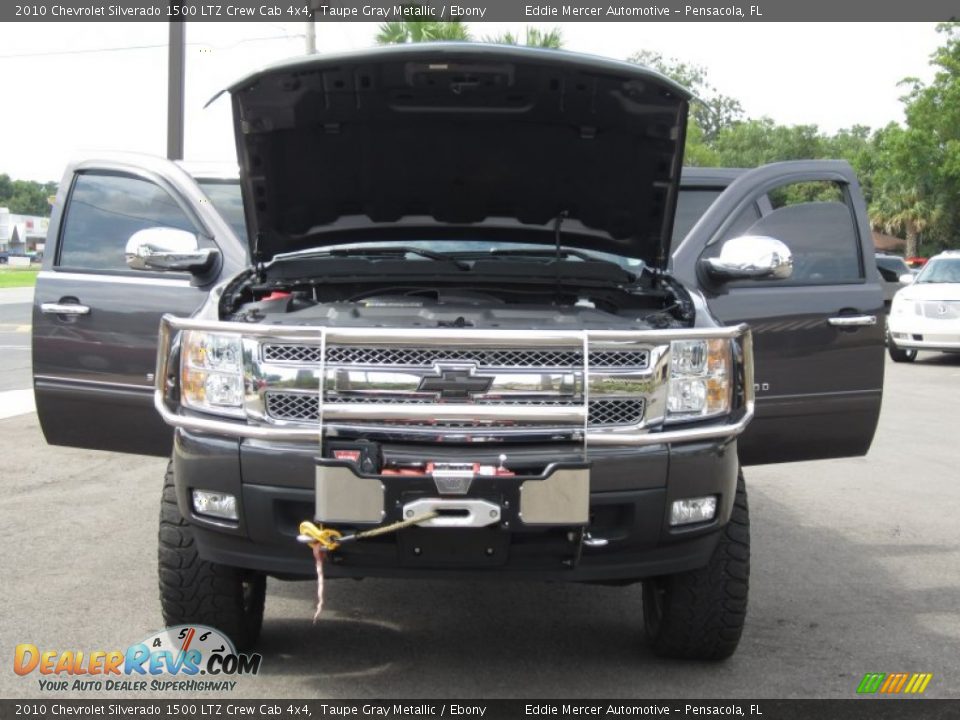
64	309
853	320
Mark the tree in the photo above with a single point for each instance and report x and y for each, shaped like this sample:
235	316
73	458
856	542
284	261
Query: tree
398	32
900	209
697	152
534	37
916	181
905	185
29	198
856	145
6	189
927	152
757	142
26	197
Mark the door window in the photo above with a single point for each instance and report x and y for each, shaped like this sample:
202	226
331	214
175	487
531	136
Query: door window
104	211
815	220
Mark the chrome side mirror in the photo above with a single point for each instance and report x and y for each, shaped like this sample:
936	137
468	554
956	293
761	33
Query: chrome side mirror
751	257
163	248
907	279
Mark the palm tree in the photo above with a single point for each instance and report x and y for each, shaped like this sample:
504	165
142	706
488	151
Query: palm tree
907	197
398	32
899	208
535	37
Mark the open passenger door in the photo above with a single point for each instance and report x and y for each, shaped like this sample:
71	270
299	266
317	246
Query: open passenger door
818	334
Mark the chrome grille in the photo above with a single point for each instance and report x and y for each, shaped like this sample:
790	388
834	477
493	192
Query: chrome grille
606	412
940	309
633	359
292	353
611	412
379	399
302	407
427	357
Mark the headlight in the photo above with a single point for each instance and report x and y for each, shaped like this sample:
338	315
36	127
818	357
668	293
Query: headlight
211	372
700	379
905	306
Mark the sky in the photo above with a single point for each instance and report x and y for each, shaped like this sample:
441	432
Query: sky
69	90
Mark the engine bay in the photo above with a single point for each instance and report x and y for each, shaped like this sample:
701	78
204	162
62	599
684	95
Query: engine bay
384	290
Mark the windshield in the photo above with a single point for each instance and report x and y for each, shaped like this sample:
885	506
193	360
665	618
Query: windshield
940	270
474	248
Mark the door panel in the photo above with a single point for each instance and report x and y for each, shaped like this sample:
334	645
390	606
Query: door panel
818	383
93	373
95	321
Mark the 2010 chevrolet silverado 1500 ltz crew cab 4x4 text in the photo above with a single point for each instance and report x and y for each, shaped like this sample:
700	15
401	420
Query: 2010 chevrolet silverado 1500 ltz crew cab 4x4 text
469	286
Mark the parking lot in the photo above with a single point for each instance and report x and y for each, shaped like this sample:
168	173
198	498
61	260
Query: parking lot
856	568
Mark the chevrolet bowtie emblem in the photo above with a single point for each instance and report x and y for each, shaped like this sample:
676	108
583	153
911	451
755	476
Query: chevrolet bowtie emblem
455	383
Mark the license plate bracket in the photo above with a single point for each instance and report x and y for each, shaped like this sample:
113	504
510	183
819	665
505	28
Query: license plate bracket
453	547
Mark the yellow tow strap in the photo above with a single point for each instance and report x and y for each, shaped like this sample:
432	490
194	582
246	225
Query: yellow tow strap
330	539
327	538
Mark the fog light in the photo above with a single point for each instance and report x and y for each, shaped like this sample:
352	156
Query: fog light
693	510
215	504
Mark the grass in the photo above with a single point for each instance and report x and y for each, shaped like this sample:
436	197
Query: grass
18	277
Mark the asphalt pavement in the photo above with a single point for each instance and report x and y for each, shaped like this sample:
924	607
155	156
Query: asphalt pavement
15	304
856	568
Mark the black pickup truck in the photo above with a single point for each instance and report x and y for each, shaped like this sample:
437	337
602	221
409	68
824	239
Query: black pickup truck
471	282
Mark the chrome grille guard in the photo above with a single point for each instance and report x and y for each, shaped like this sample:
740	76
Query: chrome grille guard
512	411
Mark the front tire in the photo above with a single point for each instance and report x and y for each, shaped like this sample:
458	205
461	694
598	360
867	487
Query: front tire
194	591
901	355
699	615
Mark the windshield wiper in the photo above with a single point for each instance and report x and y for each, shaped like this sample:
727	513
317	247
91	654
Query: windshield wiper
405	250
565	252
545	253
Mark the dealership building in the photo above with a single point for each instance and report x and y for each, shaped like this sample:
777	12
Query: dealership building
22	233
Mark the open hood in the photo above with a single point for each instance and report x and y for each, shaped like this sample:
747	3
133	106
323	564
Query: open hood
464	141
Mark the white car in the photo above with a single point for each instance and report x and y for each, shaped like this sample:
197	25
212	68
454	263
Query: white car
926	314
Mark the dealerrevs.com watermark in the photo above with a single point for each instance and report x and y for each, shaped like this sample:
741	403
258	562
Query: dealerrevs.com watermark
184	658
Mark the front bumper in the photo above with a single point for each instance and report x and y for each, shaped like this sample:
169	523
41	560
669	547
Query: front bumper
927	341
919	333
631	490
586	503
